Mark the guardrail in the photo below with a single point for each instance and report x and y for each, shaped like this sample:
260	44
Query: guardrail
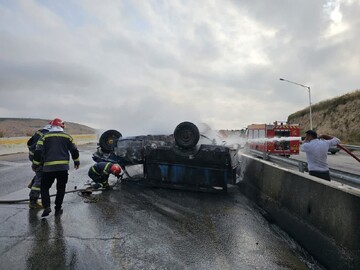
302	167
18	144
351	147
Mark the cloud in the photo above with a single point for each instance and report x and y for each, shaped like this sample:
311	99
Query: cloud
144	66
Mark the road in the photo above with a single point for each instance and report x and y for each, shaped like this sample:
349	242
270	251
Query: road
137	227
340	161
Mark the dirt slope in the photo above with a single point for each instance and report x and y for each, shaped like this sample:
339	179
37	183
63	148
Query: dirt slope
339	116
19	127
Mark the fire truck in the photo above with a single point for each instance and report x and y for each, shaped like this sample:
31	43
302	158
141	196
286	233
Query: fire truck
278	138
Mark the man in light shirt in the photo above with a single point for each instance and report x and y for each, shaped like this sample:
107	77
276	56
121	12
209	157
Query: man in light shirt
316	149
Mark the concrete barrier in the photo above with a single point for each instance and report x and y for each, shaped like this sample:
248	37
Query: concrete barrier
18	144
322	216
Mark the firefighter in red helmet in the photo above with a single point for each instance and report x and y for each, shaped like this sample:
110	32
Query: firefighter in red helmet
53	154
57	122
100	173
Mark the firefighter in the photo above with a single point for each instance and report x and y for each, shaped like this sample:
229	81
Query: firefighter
52	153
35	183
100	173
316	149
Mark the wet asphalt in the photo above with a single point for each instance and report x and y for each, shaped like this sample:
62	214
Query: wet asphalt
138	227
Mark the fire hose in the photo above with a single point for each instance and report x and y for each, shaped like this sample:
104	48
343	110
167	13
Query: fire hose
89	190
347	151
84	192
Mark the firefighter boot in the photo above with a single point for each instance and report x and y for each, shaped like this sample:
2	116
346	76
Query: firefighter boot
58	212
46	212
96	186
34	204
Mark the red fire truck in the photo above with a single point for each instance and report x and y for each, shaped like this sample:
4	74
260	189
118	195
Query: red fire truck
277	138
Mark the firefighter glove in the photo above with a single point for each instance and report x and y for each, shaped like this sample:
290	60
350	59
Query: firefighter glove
106	186
76	164
35	167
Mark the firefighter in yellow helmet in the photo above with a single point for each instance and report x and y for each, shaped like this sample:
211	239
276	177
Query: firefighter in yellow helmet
35	183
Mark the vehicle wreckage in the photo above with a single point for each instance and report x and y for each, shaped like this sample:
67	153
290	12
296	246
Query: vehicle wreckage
185	159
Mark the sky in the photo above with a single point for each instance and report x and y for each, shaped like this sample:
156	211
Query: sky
142	67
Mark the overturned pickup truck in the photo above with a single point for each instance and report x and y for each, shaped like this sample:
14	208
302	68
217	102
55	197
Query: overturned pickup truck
174	161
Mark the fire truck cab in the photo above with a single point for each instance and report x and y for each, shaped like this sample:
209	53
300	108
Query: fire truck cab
278	138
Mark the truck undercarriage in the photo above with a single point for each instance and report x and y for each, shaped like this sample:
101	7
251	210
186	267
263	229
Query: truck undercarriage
173	161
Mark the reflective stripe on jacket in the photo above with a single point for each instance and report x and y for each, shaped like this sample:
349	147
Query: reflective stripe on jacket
102	168
54	147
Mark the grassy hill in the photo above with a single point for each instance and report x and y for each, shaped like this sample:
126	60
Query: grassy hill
20	127
339	116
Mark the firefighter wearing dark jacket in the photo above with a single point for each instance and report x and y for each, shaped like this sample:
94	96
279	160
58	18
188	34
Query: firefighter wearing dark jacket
52	152
35	183
100	173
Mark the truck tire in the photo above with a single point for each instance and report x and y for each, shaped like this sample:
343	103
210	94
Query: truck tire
186	135
108	140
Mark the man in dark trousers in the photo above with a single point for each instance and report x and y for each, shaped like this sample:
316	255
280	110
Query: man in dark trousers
35	183
100	173
316	149
52	152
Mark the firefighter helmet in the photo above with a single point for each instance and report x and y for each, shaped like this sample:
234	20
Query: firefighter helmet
57	122
115	169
